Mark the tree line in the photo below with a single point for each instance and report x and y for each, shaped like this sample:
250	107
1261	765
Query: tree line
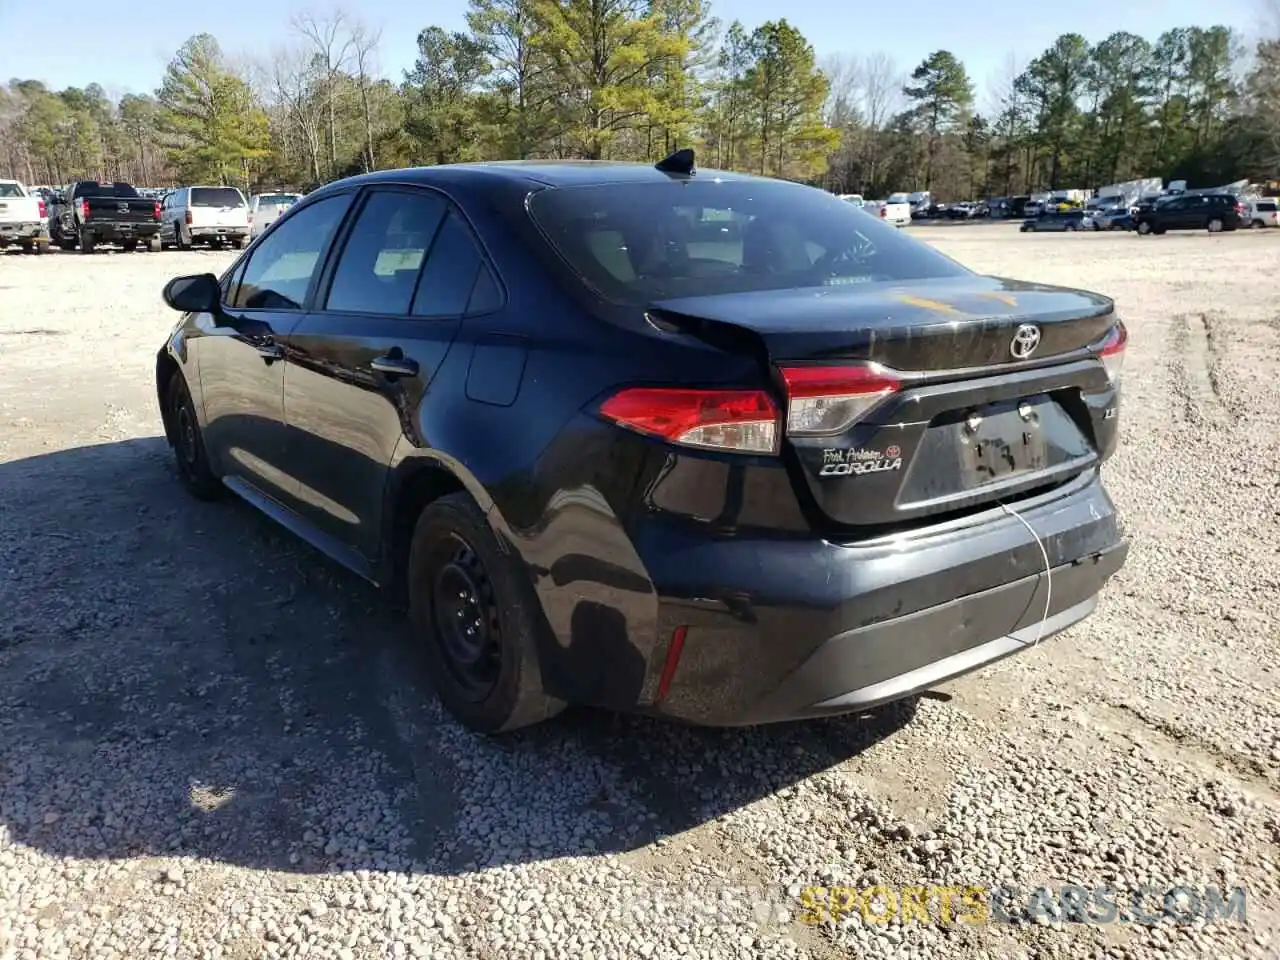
635	79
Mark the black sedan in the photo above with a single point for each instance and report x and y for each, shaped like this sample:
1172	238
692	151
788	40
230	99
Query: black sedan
707	446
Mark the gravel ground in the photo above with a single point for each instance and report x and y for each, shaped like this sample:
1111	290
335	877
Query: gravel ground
214	744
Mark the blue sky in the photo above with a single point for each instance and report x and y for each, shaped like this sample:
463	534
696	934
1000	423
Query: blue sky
127	52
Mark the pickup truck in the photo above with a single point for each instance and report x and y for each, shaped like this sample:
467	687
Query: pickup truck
895	210
21	218
87	213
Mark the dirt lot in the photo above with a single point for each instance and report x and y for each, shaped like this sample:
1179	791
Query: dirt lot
214	744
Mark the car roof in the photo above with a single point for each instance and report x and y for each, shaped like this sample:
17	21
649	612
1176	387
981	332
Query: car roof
551	173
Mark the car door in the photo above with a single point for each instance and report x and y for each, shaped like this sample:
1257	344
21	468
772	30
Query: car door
241	359
364	359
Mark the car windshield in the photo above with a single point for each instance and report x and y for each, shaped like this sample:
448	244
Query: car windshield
635	243
216	197
10	190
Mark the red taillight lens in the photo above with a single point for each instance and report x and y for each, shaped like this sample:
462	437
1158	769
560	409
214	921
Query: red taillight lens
42	210
745	421
187	218
1111	350
822	401
155	210
84	209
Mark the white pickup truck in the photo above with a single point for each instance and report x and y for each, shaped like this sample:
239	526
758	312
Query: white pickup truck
895	210
22	218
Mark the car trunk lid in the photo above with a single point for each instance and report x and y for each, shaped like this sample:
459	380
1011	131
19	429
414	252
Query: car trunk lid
907	400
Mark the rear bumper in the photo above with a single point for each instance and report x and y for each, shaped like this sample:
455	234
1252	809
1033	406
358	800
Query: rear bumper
28	230
115	232
786	630
210	233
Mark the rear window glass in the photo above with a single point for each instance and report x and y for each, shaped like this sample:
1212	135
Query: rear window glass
277	198
216	197
635	243
122	190
1266	206
9	190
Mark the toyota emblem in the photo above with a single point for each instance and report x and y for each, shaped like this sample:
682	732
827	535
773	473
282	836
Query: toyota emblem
1025	340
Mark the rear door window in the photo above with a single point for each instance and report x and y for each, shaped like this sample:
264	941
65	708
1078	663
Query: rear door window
380	263
635	243
216	197
444	290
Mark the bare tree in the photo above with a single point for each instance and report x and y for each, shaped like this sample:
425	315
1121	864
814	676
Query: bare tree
844	77
881	81
292	80
364	49
1001	93
331	41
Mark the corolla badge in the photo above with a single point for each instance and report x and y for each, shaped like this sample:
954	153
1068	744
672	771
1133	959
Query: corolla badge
1025	340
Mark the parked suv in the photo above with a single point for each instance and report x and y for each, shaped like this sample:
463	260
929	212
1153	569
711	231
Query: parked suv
1204	211
210	215
718	448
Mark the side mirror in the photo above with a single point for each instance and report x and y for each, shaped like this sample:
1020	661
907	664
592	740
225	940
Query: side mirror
198	293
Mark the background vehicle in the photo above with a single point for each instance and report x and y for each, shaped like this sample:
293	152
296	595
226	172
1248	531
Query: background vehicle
1263	212
1111	217
1214	212
896	210
86	213
1055	221
210	215
265	208
378	375
22	218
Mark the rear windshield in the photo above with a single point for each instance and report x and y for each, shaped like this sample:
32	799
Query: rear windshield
277	198
1267	206
216	197
10	190
635	243
122	190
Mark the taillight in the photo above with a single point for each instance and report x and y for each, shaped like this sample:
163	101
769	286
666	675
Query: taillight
84	209
823	401
155	210
1111	350
42	210
743	421
883	209
187	218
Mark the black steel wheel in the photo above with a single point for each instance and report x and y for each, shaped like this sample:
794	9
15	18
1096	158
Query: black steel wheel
188	444
476	619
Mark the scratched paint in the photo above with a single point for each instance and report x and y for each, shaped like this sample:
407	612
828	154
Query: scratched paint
935	305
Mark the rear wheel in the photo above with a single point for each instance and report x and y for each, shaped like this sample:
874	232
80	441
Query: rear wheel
1215	225
86	241
238	243
129	245
476	616
154	245
179	240
1257	225
1144	228
34	247
188	444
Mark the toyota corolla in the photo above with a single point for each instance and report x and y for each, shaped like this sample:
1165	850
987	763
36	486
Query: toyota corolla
651	438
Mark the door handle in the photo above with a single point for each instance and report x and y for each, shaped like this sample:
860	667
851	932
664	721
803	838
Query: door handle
395	366
269	351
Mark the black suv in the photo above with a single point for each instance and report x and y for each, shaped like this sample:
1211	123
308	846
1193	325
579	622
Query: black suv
1214	212
704	445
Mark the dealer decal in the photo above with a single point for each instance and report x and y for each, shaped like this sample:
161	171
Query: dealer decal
848	463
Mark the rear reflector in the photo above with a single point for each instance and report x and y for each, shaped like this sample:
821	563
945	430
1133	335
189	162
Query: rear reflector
1111	350
823	401
745	421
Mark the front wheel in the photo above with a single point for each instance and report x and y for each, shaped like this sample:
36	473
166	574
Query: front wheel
477	620
188	444
1144	228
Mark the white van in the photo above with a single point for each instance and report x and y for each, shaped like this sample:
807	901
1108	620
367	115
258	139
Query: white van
265	208
212	215
1264	212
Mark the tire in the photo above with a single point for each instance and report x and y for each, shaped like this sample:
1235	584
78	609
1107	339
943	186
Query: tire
1144	228
154	245
178	240
33	247
486	673
128	246
1215	225
239	243
1256	225
188	444
67	245
86	241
